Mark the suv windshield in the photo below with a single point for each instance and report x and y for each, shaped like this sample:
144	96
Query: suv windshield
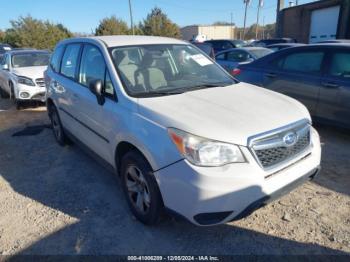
30	59
151	70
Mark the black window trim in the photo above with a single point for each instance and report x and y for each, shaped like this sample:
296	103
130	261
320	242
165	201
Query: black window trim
77	69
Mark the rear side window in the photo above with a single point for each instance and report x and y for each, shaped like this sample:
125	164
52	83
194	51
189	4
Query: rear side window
237	56
306	62
56	58
340	65
70	60
221	56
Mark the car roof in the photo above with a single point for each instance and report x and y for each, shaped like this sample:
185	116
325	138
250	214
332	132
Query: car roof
126	40
286	44
248	48
26	51
330	44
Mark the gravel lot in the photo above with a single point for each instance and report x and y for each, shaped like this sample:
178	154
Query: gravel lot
57	200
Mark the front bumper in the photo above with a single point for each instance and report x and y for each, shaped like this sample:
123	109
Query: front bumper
215	195
36	93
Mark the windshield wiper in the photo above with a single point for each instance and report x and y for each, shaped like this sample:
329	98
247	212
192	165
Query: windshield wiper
162	93
207	85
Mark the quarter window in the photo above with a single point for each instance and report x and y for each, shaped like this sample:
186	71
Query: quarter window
340	65
109	89
306	62
70	60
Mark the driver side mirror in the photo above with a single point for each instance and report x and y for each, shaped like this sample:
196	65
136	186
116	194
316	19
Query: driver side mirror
96	87
5	67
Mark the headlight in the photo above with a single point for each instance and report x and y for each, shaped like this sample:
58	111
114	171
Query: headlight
25	81
205	152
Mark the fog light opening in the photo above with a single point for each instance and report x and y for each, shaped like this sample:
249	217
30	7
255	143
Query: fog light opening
24	95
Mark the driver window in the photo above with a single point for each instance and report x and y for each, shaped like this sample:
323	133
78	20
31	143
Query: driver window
92	65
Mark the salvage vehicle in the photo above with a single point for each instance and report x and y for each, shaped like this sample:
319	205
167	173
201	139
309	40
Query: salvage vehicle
22	75
183	135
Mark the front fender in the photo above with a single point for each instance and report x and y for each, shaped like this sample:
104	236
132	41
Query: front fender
152	140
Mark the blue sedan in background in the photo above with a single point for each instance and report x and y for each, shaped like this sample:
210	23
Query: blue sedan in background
317	75
230	59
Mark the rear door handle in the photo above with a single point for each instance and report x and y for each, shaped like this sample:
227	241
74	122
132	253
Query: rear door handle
330	85
271	75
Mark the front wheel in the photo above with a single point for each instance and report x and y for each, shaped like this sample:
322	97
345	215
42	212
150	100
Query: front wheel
141	189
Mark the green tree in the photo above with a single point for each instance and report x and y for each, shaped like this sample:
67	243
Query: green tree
30	32
157	23
222	23
2	36
112	26
270	30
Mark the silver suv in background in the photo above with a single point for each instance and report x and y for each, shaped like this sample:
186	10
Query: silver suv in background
22	75
182	133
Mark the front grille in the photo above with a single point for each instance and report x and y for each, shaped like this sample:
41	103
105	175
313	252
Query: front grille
40	82
271	150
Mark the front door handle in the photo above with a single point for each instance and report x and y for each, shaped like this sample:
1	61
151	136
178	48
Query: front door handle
270	75
330	85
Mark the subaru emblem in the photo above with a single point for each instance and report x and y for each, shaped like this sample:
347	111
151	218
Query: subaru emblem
290	139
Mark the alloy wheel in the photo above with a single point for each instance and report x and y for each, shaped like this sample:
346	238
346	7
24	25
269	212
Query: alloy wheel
138	189
56	126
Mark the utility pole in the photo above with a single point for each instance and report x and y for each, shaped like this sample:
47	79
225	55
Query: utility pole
263	32
260	4
246	2
231	33
131	20
280	6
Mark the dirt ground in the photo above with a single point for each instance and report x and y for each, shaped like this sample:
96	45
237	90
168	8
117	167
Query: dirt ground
57	200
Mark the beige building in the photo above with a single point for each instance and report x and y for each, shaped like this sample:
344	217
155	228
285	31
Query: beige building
210	31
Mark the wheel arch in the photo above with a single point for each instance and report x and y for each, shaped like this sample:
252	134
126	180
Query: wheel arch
123	148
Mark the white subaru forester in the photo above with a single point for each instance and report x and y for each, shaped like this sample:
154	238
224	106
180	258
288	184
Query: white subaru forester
182	133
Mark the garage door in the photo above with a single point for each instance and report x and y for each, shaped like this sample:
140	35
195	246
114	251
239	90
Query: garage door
324	23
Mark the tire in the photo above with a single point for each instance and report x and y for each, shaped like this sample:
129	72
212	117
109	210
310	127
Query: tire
57	127
3	93
18	104
12	92
141	189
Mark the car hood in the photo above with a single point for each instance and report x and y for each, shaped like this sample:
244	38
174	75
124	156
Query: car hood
230	114
32	72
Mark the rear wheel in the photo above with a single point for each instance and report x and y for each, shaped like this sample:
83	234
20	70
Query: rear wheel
57	126
12	92
3	93
141	189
